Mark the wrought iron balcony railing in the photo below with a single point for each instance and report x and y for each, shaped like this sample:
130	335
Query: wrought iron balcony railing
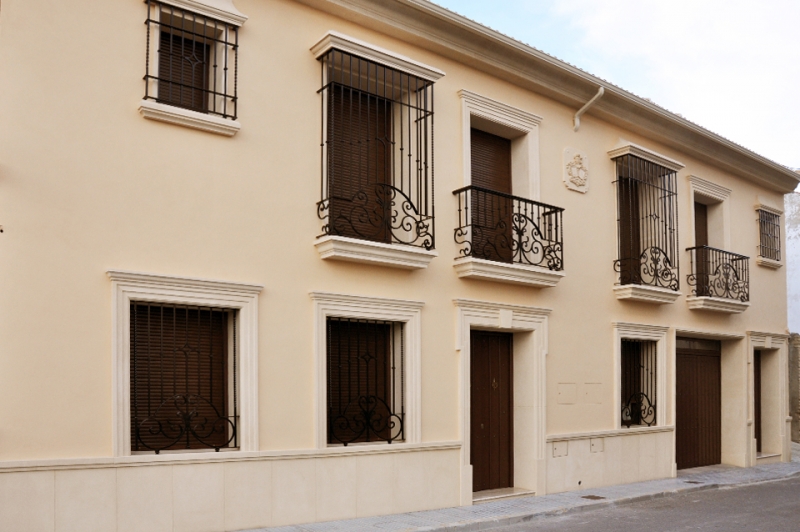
505	228
718	273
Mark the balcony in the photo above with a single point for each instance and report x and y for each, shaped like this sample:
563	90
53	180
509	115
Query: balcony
508	239
721	280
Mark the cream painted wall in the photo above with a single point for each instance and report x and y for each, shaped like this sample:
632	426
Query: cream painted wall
88	185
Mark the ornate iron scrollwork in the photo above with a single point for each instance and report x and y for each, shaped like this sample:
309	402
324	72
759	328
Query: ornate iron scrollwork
653	268
718	273
378	212
182	418
639	410
368	418
503	228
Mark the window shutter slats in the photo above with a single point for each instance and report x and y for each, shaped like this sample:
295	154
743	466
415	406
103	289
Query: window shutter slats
179	377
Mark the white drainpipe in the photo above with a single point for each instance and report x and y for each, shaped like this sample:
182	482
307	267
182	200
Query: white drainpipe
577	120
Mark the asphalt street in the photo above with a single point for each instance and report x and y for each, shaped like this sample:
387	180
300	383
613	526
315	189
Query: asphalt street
766	507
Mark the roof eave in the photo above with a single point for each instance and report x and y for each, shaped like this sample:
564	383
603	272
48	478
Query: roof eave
443	32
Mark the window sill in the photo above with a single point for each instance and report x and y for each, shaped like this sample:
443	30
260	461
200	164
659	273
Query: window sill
646	294
376	253
191	119
486	270
769	263
717	304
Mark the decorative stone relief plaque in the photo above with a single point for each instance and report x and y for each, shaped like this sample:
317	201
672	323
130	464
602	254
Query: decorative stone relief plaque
576	170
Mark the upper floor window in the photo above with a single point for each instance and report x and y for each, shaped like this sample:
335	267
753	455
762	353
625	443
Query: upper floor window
769	225
377	151
192	61
647	226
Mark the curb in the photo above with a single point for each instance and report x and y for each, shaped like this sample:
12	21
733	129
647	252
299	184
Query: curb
489	524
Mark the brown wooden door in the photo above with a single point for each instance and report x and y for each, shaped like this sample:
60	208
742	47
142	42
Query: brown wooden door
698	426
757	397
491	213
491	449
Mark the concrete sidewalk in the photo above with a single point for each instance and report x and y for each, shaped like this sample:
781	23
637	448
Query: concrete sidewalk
512	511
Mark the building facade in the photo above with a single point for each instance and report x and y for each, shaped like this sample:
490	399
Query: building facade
292	261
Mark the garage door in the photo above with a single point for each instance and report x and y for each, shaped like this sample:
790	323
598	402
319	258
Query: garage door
698	427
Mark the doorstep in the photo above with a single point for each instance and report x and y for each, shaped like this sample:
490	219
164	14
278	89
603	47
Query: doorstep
506	512
479	497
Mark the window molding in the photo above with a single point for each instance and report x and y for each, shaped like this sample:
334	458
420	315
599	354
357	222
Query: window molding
640	331
648	260
363	307
222	10
133	286
762	204
717	194
211	106
351	45
186	117
510	122
628	148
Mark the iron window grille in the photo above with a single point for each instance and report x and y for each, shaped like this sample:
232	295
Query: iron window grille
647	223
183	377
504	228
191	61
769	225
377	152
719	273
638	379
365	381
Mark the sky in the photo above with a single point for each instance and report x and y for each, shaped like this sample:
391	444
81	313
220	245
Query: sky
731	66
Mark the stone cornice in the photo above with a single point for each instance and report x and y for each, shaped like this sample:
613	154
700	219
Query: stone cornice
648	155
348	44
222	10
444	32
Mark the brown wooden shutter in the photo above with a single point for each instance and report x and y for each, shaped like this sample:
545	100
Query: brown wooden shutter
183	72
359	373
631	352
630	248
700	224
359	164
179	362
490	161
702	266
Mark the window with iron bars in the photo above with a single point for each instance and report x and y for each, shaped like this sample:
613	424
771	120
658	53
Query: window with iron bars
638	380
183	378
769	225
365	381
647	223
377	152
191	61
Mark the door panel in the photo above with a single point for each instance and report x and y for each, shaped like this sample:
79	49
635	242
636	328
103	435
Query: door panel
491	449
698	427
757	397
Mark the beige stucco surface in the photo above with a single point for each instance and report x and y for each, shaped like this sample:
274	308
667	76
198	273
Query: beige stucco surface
88	185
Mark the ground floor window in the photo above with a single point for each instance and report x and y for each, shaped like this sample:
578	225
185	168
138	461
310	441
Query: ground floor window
638	379
183	384
365	381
